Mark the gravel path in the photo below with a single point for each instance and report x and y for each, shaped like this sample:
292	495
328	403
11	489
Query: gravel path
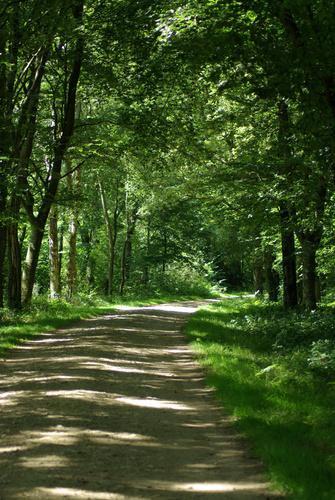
116	408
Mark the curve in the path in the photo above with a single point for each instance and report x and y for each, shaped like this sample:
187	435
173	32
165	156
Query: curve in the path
116	408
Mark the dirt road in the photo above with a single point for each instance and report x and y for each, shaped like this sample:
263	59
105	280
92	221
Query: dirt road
116	408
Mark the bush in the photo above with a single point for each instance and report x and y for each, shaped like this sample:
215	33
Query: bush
322	356
307	340
182	279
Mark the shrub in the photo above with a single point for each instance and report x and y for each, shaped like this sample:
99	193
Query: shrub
322	356
181	278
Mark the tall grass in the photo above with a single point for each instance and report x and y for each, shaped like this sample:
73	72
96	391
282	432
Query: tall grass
258	359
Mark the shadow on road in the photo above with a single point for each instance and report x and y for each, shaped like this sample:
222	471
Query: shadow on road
115	408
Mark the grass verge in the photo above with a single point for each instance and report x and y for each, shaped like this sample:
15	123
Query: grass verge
259	360
48	315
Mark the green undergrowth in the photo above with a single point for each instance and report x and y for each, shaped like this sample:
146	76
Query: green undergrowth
273	372
47	315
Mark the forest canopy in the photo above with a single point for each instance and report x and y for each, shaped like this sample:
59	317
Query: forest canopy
155	145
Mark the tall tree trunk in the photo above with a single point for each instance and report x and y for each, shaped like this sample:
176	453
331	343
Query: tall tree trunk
31	261
3	246
90	271
112	260
308	273
14	269
110	238
73	181
271	275
25	134
14	259
165	250
310	241
112	229
146	271
258	275
86	235
60	150
116	216
125	262
3	194
72	259
288	259
127	248
4	153
10	42
286	211
86	238
53	253
60	253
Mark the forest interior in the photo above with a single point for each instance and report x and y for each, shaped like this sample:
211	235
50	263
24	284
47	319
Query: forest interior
174	151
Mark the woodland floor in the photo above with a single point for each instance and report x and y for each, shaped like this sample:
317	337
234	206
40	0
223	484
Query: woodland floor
117	408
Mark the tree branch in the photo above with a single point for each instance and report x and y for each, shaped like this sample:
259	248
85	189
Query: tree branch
73	169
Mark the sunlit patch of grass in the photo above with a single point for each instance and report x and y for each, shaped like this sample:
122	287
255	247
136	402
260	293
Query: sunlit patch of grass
285	409
44	316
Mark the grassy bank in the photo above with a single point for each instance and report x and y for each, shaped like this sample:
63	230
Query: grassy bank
47	315
275	374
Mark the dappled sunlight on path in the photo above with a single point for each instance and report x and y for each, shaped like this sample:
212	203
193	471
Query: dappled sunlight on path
116	408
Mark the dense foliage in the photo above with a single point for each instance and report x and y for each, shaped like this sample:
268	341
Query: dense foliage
159	144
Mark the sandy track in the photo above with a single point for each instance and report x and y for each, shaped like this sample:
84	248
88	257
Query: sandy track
116	408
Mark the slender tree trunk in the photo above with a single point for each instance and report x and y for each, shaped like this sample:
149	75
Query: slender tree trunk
165	250
90	262
309	274
117	213
60	253
288	259
127	248
112	233
14	256
4	153
309	242
90	271
87	238
146	271
53	253
14	268
72	260
258	274
290	295
10	39
3	211
271	276
3	246
25	134
73	181
111	271
125	263
39	222
30	264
